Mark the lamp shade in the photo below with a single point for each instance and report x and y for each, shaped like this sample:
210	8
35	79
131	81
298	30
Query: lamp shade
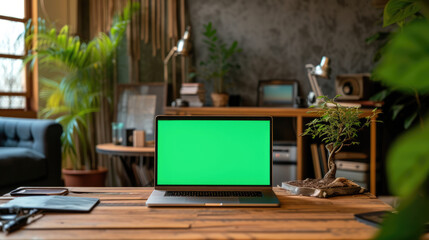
183	44
322	70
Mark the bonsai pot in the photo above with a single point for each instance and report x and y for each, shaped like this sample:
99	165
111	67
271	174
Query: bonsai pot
85	178
311	188
220	99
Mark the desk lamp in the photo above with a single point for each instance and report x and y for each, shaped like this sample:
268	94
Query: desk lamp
182	49
322	70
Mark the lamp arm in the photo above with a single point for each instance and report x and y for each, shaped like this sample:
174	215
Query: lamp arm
310	69
318	89
170	54
313	80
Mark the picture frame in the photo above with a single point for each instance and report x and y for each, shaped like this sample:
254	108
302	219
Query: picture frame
277	93
137	104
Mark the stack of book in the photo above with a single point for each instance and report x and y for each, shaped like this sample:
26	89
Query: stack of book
320	162
353	166
193	93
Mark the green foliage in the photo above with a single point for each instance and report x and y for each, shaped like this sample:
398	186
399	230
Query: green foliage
404	63
406	177
382	38
220	59
85	80
337	125
408	222
397	11
408	159
405	106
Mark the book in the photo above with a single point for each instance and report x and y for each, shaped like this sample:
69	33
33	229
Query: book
316	161
363	103
191	88
324	158
362	184
357	103
193	93
352	165
351	155
358	176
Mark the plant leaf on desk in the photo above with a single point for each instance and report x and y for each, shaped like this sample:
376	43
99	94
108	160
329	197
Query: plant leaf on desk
400	226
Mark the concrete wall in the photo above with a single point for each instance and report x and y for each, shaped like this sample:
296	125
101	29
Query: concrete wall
279	37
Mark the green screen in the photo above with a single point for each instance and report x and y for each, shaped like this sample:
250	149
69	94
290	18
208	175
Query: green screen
213	152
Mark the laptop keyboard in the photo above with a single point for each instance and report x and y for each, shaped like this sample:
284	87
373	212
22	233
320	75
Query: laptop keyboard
213	194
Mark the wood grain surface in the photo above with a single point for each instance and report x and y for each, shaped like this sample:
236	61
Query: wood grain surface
122	214
119	150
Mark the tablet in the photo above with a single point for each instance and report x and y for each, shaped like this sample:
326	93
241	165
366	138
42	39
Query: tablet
38	191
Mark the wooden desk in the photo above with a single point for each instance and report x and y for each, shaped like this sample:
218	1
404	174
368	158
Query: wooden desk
298	113
122	214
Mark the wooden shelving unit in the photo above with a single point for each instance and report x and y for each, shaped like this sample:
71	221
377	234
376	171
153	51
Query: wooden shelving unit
298	113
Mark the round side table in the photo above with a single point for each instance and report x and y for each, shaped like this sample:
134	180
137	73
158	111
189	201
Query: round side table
123	152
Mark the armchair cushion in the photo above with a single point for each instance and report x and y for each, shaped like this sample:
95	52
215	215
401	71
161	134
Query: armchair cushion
32	165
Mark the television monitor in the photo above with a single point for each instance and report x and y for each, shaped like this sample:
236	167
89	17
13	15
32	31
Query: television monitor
277	93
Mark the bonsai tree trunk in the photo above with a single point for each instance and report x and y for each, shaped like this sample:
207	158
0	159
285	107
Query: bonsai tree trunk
330	175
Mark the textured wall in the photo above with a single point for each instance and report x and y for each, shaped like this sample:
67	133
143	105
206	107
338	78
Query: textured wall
279	37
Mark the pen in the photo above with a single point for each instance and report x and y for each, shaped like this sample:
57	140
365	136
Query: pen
18	222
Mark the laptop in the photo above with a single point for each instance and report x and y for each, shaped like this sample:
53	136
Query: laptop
213	161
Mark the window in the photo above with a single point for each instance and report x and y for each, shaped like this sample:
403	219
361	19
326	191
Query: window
15	81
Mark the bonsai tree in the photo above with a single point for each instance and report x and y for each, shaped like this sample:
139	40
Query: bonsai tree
337	127
80	83
219	61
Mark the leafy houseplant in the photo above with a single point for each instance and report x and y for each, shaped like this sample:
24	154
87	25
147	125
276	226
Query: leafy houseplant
405	66
218	64
83	85
406	108
337	126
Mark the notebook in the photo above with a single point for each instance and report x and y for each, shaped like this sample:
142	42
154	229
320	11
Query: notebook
213	161
53	203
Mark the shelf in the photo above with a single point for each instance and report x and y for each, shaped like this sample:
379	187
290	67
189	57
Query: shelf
298	113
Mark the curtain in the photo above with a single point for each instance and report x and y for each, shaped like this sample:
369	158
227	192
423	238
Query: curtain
160	24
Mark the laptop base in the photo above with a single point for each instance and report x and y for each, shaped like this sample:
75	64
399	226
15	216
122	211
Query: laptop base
158	199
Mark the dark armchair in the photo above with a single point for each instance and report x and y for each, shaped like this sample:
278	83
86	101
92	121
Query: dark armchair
30	153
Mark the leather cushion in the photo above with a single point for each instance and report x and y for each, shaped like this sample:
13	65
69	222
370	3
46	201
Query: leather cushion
20	164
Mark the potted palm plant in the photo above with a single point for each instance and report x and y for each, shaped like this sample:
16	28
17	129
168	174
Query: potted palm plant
83	83
218	64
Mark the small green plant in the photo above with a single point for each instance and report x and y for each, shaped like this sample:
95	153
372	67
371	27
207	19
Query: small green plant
220	59
337	127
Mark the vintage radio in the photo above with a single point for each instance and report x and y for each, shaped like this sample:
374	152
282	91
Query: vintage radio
353	86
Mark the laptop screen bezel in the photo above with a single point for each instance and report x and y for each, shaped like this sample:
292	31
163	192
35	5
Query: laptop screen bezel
211	187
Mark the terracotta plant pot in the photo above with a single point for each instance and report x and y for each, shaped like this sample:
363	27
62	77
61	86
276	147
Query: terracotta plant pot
220	99
85	178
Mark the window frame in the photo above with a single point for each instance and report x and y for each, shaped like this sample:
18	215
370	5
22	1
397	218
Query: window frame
30	95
